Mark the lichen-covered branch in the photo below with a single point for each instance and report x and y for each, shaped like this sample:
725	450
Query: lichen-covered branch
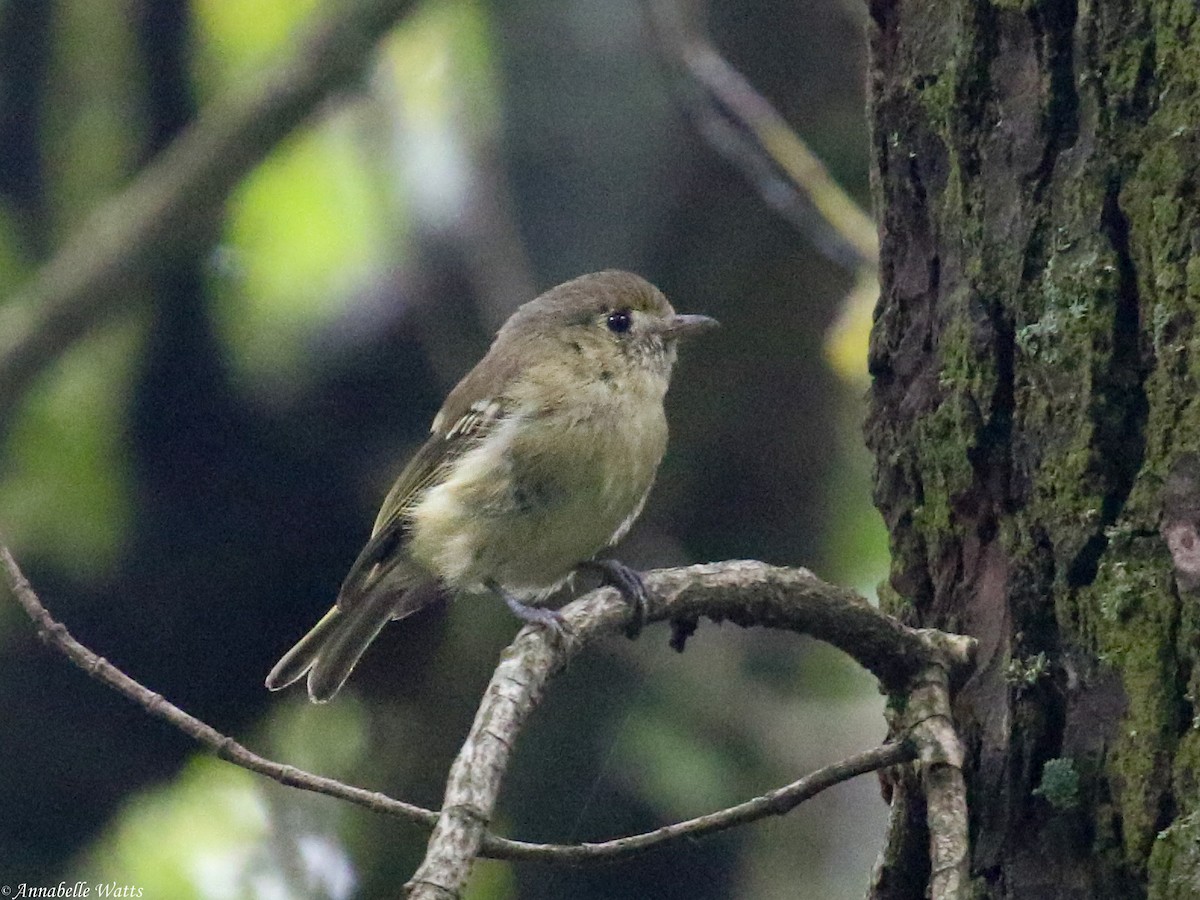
928	801
941	762
747	593
170	202
753	593
743	592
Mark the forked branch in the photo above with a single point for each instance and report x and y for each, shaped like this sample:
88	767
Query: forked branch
744	592
747	593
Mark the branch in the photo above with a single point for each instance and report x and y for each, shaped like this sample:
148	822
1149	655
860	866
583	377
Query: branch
56	635
941	758
777	802
742	126
940	810
165	207
747	593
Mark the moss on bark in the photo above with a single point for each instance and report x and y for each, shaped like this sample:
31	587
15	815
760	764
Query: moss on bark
1034	362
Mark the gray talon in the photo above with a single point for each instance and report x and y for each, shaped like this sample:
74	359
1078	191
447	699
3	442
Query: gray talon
551	619
631	585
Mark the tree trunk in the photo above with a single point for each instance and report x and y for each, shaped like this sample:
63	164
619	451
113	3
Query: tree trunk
1034	415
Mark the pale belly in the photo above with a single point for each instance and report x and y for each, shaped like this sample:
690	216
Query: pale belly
524	509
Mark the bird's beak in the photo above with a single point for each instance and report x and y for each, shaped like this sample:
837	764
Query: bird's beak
684	325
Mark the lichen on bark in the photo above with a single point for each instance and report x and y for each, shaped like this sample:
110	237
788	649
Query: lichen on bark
1033	356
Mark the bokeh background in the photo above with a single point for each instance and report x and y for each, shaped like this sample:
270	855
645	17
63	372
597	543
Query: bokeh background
187	487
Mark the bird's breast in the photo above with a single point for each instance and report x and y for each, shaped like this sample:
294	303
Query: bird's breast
546	490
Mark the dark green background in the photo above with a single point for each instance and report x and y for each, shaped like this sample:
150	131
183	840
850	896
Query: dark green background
188	486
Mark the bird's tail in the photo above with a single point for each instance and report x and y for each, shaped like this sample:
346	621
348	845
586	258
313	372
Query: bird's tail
329	652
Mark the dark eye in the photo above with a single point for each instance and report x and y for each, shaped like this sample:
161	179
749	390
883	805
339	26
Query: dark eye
619	321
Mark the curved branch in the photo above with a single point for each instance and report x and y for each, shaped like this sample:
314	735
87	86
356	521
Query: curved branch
171	200
931	726
776	802
56	635
744	592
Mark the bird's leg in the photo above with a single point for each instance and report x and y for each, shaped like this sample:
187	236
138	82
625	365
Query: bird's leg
549	618
631	586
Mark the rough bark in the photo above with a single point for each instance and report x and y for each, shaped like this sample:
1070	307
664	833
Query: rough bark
1033	400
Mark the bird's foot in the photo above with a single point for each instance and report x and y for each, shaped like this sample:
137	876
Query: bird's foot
631	586
550	619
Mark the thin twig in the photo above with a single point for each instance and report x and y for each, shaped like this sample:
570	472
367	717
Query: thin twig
744	127
56	635
776	803
172	199
602	609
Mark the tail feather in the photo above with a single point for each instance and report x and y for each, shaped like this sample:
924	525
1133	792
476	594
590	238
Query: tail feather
330	651
346	645
300	658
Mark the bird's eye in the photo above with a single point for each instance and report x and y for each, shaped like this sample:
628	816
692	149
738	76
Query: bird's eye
619	321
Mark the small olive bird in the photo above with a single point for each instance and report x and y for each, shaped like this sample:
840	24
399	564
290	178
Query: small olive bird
540	457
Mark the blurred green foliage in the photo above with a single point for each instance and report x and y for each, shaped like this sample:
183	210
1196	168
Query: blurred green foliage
187	485
94	125
195	838
65	484
233	41
302	233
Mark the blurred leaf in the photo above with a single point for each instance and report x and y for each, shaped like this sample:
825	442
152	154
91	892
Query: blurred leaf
447	102
855	539
329	738
309	225
856	542
846	339
236	38
210	835
442	57
303	230
66	485
315	222
491	880
14	258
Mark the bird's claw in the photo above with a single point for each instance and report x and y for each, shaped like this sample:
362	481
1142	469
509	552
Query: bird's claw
550	619
630	584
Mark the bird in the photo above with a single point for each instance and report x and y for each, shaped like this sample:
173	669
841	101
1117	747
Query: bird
540	457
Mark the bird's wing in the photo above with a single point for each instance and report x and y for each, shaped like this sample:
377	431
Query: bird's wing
470	412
